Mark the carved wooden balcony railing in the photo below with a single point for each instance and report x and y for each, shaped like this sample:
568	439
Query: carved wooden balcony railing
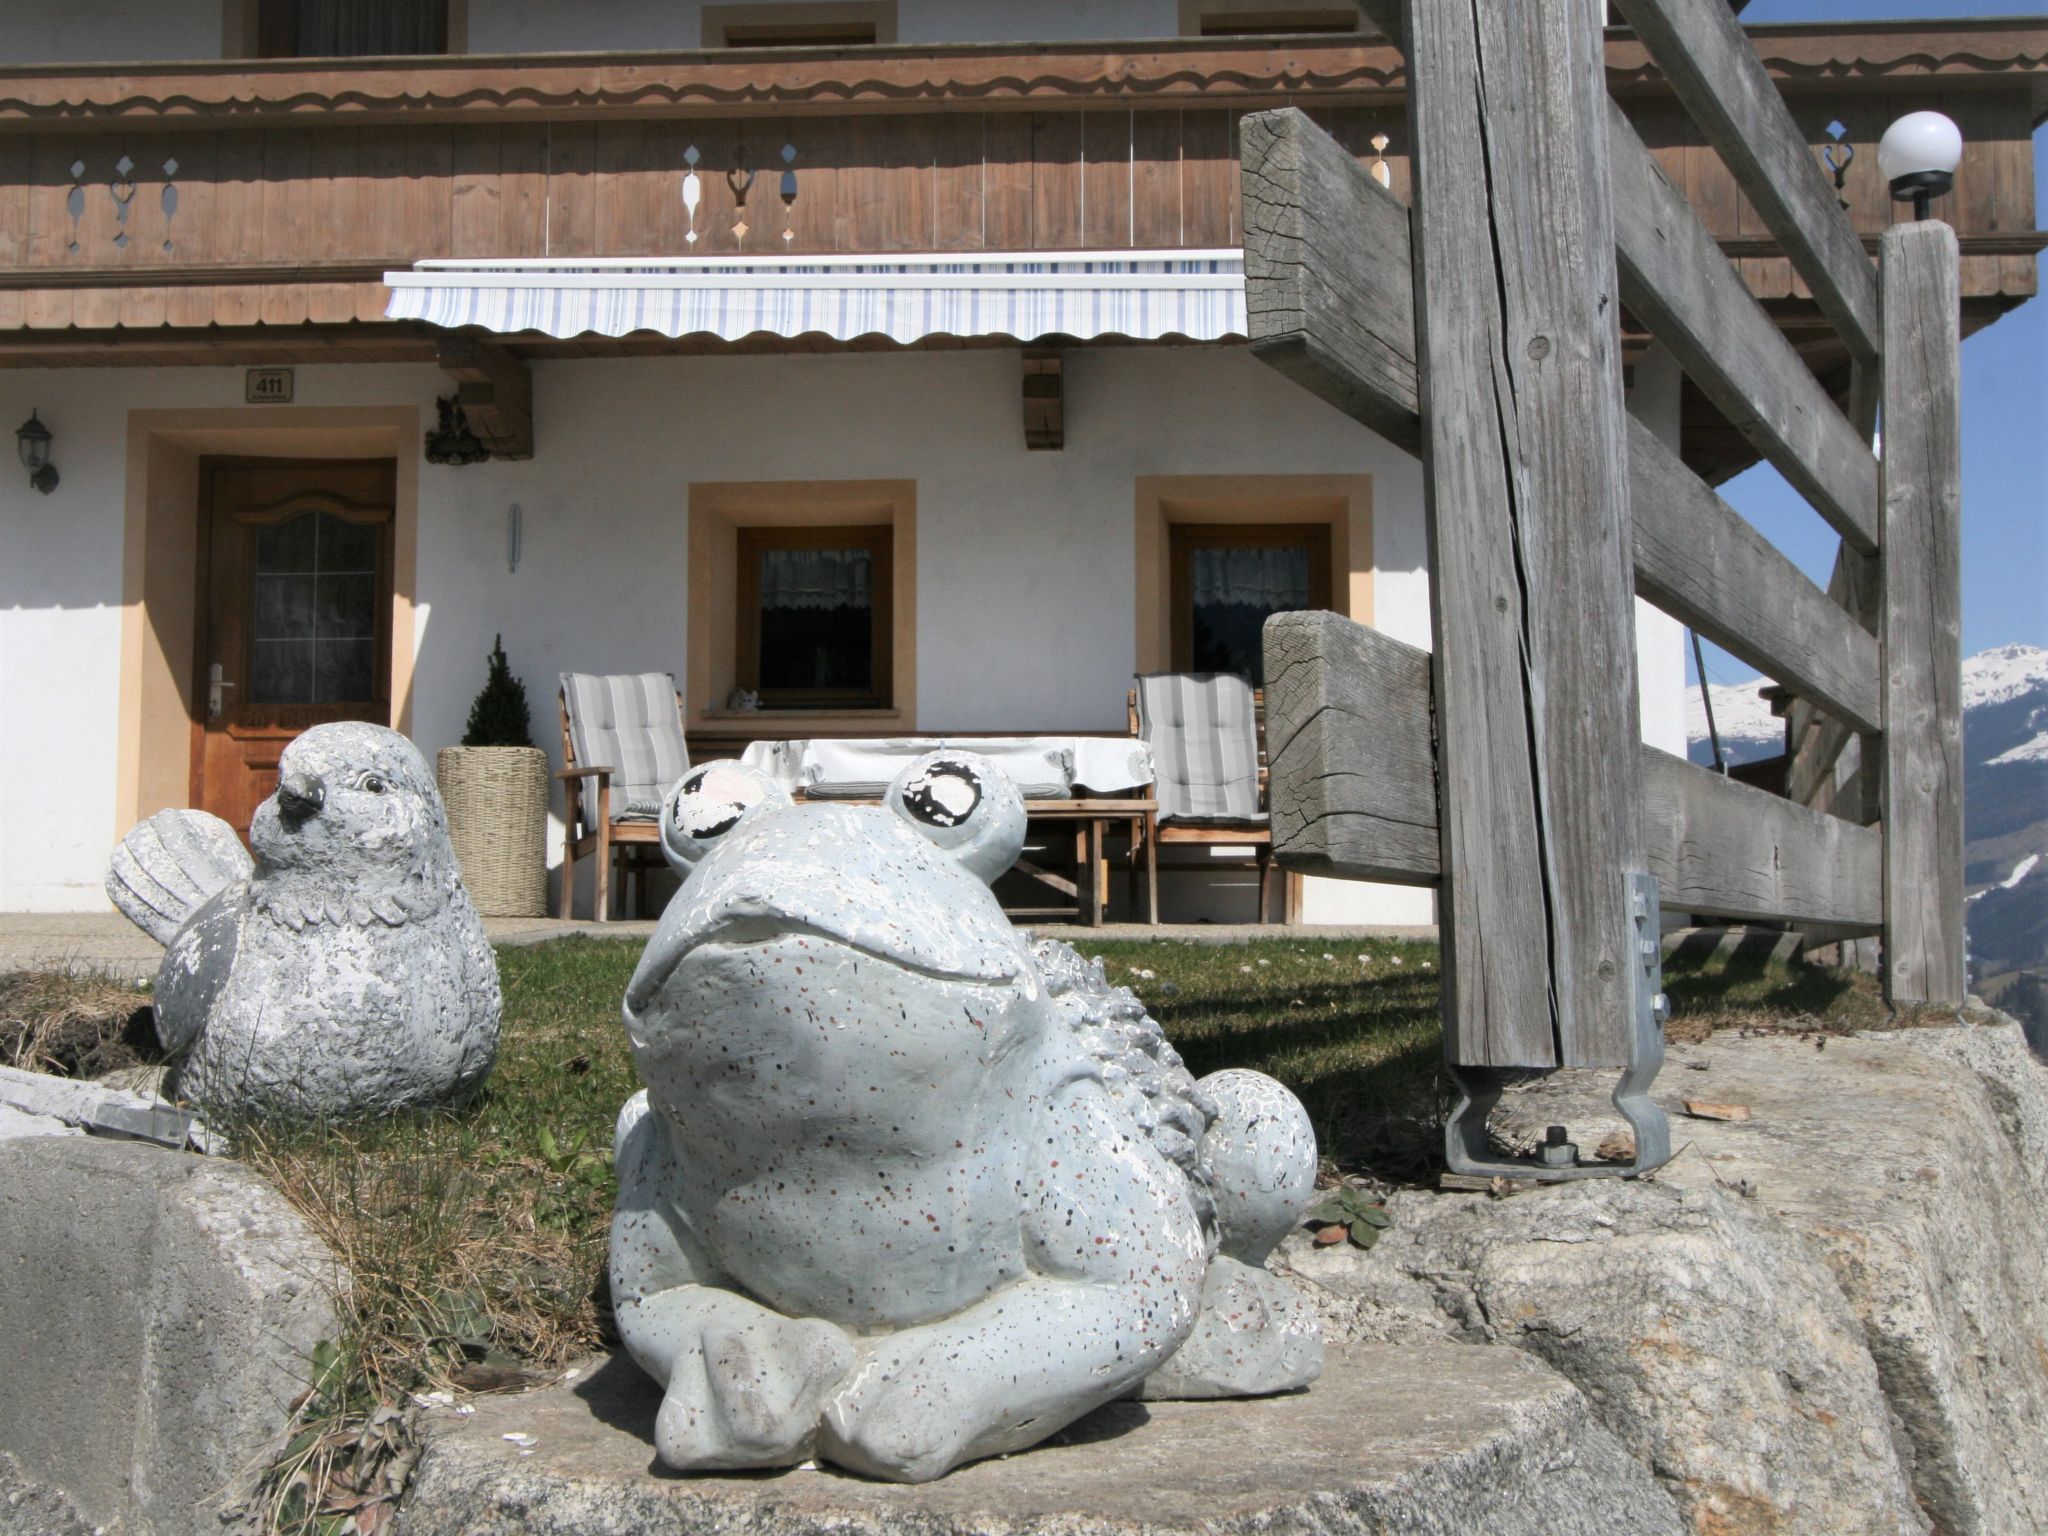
242	194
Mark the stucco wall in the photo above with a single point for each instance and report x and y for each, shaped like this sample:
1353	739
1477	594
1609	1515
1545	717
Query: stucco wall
1026	580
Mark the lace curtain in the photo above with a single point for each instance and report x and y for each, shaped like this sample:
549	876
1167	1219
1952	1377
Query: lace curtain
816	578
1275	580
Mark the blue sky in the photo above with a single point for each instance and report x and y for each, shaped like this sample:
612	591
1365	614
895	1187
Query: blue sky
2005	424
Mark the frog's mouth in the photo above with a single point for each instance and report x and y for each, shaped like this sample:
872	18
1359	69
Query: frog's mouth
842	875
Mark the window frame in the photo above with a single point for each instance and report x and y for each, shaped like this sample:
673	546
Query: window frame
879	539
1288	18
1183	539
809	25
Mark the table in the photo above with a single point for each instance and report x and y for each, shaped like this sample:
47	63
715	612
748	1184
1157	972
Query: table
1109	770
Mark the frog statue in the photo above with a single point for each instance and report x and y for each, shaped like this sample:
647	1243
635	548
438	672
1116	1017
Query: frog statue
904	1189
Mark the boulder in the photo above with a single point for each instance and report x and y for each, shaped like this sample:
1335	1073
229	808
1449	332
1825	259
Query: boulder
161	1309
1826	1317
1435	1438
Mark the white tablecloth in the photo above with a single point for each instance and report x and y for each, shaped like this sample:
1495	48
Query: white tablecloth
1043	767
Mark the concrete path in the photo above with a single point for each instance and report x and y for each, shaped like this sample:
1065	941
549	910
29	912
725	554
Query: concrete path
108	944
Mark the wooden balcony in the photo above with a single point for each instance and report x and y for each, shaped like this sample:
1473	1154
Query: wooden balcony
152	213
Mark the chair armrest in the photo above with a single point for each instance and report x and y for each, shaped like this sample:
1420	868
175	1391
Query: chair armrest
582	771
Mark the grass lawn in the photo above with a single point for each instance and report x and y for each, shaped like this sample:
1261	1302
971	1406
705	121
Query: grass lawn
477	1240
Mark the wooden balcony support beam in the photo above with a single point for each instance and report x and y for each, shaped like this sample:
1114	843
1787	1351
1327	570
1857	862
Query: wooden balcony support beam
495	392
1045	398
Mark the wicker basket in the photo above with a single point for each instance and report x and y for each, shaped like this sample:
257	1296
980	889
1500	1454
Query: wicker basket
497	799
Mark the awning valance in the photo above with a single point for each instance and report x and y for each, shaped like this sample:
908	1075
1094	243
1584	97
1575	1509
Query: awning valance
1143	295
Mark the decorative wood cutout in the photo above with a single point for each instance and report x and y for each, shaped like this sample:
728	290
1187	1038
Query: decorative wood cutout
1045	424
1838	152
1380	171
741	179
495	392
123	190
789	192
693	190
170	201
74	200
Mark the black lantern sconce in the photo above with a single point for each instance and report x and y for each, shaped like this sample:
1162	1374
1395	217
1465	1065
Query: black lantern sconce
1918	155
452	442
32	439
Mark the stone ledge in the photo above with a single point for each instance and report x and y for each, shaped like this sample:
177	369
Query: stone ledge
1418	1438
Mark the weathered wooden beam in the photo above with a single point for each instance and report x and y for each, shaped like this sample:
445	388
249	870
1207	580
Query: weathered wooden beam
1712	66
1676	281
1350	765
1329	295
495	392
1816	739
1701	563
1920	617
1526	488
1045	401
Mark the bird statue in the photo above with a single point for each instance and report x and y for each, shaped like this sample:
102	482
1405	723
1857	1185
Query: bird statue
343	971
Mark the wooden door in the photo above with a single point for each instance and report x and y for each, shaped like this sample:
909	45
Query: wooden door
295	598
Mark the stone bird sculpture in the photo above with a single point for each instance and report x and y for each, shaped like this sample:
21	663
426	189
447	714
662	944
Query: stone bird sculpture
341	973
904	1190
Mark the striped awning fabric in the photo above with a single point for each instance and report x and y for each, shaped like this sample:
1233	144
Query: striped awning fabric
1143	295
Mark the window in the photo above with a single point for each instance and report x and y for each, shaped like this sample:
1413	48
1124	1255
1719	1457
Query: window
815	620
1229	579
1266	18
328	29
827	24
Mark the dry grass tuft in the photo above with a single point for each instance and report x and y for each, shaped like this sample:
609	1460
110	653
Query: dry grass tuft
74	1026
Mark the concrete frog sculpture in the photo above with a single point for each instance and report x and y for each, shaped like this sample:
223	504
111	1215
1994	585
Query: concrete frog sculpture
902	1191
343	971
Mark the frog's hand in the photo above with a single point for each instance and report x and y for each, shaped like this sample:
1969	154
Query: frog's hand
745	1386
1256	1334
1116	1255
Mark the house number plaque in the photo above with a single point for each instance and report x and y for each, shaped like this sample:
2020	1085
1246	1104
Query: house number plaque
268	386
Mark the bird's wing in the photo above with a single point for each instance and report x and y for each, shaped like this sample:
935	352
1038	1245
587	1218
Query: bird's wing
166	868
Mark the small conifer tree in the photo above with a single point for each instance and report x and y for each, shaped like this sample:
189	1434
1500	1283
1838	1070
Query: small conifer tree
499	717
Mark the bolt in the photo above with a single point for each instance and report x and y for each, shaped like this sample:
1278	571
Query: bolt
1556	1151
1660	1006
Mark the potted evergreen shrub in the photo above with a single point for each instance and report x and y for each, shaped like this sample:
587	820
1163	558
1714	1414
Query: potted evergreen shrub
495	786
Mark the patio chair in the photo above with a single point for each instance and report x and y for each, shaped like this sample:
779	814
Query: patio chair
1204	729
622	747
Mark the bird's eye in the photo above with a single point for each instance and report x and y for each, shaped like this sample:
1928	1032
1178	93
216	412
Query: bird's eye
965	805
371	784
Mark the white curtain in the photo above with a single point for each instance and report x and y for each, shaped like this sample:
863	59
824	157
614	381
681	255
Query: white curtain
1273	579
816	578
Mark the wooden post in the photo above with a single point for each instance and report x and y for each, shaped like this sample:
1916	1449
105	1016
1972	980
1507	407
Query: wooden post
1527	496
1920	616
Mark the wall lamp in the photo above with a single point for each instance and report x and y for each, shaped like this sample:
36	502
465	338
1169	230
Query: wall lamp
1918	155
32	439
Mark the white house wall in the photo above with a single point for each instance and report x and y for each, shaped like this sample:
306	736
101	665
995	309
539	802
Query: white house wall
1025	564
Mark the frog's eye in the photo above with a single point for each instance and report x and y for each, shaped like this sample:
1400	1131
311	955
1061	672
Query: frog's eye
964	804
370	783
708	802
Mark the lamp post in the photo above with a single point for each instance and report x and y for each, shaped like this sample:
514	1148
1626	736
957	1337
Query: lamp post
1918	155
32	441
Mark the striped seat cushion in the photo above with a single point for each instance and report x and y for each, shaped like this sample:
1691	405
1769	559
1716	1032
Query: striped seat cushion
1204	736
631	725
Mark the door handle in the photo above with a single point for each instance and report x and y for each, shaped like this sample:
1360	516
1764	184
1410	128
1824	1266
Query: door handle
216	685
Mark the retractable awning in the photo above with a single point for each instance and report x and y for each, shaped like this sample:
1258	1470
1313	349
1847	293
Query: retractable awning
1143	295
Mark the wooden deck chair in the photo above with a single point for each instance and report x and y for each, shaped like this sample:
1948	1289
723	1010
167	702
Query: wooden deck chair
1203	728
622	746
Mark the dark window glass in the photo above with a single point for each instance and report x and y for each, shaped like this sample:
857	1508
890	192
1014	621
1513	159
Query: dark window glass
340	29
313	612
817	620
1235	590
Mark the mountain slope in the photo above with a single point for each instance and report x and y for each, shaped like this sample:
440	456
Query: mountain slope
2005	793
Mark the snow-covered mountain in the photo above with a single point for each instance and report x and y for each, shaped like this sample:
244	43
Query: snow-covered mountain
2005	792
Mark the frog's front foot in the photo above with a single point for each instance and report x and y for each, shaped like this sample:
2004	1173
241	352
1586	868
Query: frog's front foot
750	1394
1255	1334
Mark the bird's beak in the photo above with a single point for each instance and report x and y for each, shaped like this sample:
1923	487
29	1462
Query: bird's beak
300	795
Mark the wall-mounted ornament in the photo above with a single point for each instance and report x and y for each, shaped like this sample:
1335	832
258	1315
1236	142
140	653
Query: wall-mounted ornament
123	190
741	180
170	200
1838	152
789	192
1381	173
74	200
693	191
452	442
